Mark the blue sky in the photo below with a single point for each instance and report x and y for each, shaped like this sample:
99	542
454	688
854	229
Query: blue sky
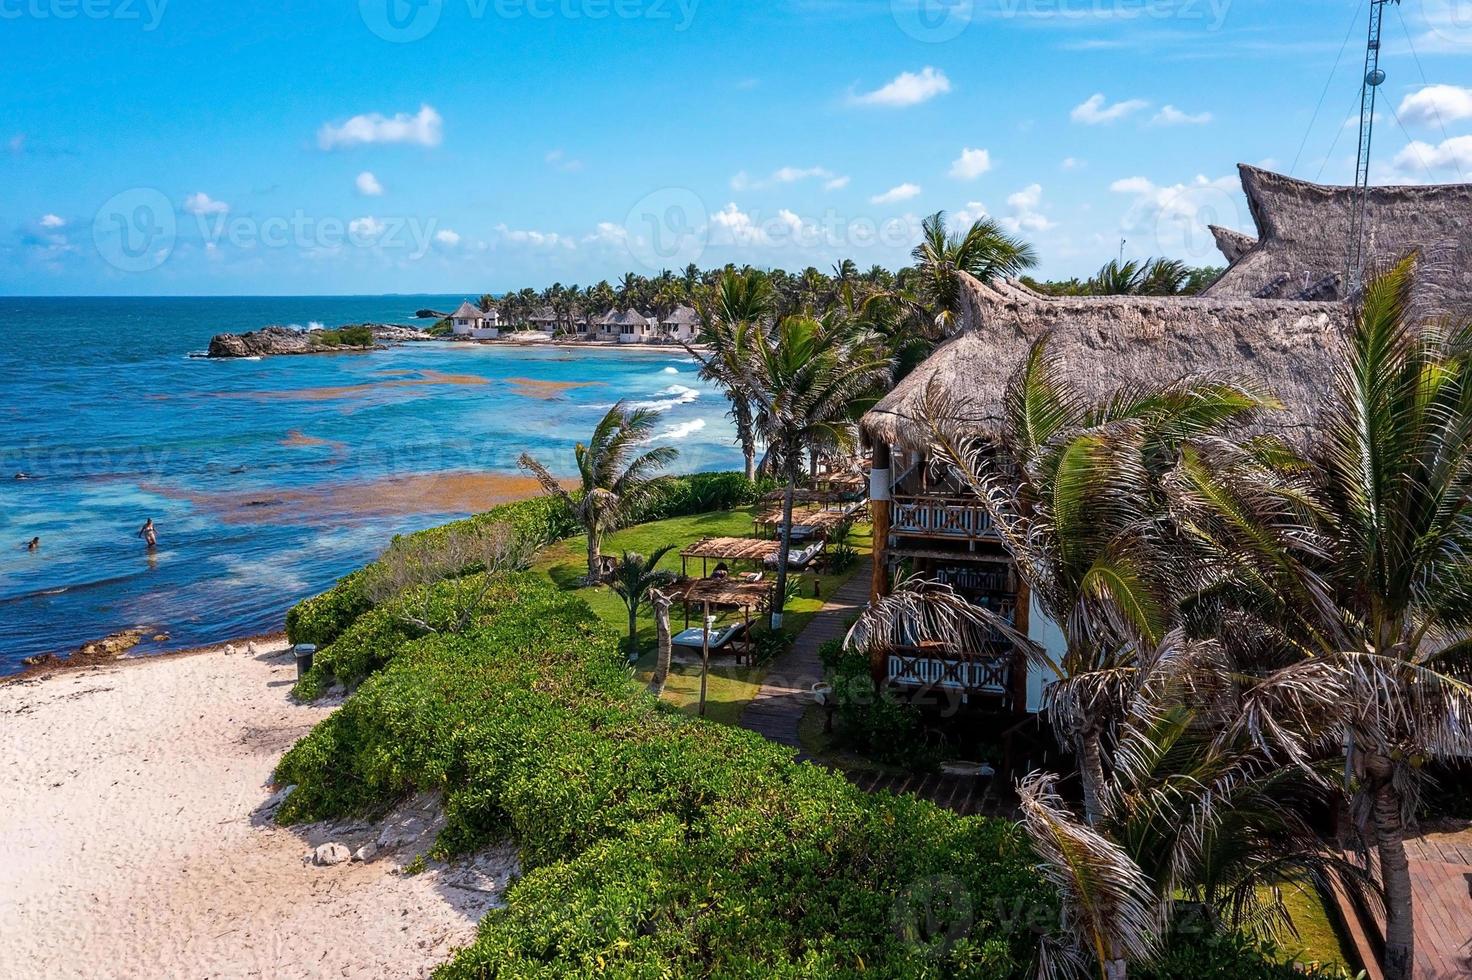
185	147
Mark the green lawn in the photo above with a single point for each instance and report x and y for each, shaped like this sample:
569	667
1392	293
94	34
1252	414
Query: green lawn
729	688
1318	940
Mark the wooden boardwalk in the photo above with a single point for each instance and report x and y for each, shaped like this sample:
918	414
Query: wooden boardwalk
778	707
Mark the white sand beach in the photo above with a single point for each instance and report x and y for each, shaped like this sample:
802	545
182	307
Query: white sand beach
133	841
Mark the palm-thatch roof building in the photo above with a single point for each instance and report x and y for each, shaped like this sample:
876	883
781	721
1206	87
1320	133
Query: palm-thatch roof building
1278	317
477	324
682	323
1302	247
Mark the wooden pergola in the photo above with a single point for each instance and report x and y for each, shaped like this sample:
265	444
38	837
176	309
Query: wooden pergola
726	549
729	593
822	522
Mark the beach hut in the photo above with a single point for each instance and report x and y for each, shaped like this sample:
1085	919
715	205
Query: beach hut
683	323
472	322
606	327
636	328
544	320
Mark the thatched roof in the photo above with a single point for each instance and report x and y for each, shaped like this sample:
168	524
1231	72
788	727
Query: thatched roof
631	318
543	315
1302	248
1109	340
467	312
682	316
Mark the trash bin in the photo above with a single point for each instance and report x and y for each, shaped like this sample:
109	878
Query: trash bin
304	654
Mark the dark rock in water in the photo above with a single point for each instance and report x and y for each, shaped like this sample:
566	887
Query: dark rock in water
429	315
114	644
276	341
38	659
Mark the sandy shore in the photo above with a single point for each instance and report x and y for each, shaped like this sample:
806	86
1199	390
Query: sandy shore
135	839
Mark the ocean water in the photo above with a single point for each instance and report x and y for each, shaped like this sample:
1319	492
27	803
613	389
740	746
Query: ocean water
268	479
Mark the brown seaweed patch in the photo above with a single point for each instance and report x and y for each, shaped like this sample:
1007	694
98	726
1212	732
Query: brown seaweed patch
393	496
424	379
545	390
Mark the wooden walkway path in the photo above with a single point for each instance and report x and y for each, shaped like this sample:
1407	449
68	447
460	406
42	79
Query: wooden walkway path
776	711
778	707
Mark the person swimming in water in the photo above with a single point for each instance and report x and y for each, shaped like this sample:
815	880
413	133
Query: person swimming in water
34	544
149	534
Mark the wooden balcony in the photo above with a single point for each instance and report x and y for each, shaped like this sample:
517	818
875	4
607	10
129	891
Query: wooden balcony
952	518
988	673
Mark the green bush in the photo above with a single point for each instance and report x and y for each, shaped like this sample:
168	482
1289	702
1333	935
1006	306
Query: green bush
654	844
1205	954
359	336
873	723
539	521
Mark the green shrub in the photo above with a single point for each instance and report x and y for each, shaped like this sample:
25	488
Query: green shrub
359	336
538	521
654	844
874	723
1201	954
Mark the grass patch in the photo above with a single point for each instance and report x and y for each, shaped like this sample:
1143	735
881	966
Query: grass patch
729	688
1319	941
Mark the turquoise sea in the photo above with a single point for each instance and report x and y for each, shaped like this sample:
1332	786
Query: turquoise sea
268	479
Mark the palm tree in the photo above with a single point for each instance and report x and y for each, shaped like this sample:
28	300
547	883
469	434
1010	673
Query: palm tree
984	250
1399	489
734	320
634	579
615	475
1072	490
807	379
665	648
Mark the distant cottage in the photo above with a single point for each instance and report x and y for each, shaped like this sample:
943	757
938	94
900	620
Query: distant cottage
477	324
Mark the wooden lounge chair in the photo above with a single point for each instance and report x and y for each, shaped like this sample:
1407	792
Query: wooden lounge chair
731	639
799	558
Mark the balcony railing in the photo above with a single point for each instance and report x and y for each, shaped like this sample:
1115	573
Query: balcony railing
974	674
941	517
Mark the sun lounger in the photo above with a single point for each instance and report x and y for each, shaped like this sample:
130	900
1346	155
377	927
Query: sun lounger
721	641
799	557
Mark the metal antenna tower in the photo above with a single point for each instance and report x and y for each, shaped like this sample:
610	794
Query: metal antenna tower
1374	78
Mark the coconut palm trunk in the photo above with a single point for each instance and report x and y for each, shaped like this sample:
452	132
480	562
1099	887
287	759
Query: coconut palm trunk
789	496
1091	774
1395	870
595	558
666	643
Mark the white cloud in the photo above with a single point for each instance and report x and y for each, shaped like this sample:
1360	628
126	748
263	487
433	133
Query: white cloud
608	233
731	224
895	194
1455	153
368	185
1026	215
1173	219
971	164
559	160
52	221
426	128
447	237
1096	111
1171	116
1072	163
907	89
538	239
963	218
1437	104
202	204
788	175
365	230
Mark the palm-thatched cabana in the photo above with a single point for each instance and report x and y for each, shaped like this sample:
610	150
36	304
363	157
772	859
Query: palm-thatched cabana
1106	341
1303	240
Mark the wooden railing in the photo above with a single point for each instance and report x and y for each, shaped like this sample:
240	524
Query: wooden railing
974	674
941	517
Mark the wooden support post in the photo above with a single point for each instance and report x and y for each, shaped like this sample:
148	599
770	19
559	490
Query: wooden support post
704	652
880	491
1022	621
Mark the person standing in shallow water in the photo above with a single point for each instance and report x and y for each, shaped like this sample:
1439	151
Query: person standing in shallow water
149	534
34	544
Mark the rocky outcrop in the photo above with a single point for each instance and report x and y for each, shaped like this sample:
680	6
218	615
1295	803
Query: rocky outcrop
110	647
278	341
